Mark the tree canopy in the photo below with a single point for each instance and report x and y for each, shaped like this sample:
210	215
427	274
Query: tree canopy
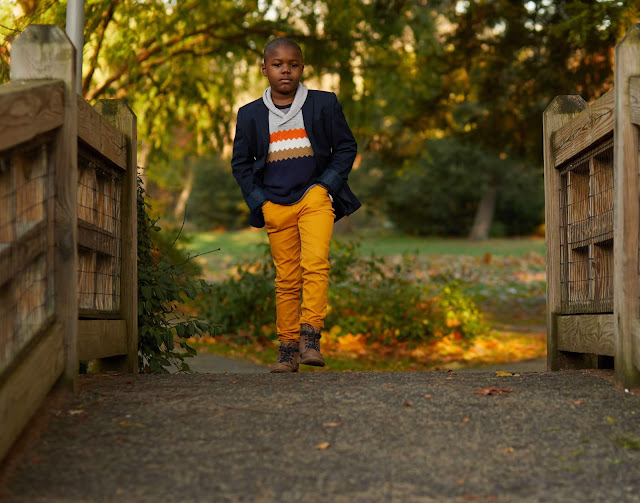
409	73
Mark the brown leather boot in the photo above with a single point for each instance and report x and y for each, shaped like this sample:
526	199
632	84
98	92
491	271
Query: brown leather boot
288	358
310	346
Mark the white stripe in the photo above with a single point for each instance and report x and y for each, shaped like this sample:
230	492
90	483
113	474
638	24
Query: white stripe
284	144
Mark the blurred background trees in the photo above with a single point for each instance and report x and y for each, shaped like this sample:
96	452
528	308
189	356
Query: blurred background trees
444	97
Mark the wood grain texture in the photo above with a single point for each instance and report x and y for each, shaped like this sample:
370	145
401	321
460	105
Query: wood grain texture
560	111
634	98
124	120
587	334
19	254
29	109
101	339
590	126
99	134
45	52
627	211
21	394
95	238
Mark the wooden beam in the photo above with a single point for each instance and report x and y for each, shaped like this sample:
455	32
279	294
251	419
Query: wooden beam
95	131
24	389
559	112
626	210
101	339
592	333
95	238
122	117
22	252
587	128
28	109
44	52
634	98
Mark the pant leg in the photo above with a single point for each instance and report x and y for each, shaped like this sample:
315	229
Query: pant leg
284	239
316	227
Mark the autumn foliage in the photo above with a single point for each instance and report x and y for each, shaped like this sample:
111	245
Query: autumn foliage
379	308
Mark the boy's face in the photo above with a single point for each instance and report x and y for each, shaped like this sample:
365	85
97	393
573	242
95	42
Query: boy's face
283	67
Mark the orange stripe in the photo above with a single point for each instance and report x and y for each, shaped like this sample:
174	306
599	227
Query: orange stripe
290	134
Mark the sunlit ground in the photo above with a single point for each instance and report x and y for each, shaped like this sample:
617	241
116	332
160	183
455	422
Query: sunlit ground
505	277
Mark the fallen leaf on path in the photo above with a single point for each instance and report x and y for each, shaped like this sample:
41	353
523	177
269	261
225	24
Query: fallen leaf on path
492	390
610	420
74	412
428	395
448	378
509	450
465	419
577	402
502	373
333	424
323	446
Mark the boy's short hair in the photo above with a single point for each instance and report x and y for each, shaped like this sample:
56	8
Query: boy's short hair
279	42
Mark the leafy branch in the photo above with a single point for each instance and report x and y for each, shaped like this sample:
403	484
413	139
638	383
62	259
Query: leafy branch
160	317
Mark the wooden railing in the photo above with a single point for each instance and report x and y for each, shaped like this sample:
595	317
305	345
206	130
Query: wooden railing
592	218
68	239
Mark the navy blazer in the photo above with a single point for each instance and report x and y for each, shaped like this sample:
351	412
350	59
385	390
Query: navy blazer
334	149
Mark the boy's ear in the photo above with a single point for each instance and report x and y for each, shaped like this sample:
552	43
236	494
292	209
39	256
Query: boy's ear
264	69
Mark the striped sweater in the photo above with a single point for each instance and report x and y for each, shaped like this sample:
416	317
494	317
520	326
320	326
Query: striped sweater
291	168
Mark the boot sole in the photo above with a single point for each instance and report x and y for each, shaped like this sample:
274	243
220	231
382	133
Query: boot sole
313	363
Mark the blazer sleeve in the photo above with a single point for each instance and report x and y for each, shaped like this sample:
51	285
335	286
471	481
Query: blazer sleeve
343	150
242	165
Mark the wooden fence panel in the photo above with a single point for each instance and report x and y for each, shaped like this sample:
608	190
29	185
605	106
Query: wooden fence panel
38	157
118	113
34	110
627	211
67	228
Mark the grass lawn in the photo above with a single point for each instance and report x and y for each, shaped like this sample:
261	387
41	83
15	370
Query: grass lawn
244	245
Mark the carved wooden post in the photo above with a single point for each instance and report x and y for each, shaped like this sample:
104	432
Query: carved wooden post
118	113
627	214
45	52
560	111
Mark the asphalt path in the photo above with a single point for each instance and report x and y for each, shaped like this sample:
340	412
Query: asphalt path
336	437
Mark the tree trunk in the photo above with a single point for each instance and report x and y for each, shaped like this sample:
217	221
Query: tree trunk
181	204
484	214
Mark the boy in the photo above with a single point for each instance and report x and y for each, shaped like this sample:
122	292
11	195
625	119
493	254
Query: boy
292	154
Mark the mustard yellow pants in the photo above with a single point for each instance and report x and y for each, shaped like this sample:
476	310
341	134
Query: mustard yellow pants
299	237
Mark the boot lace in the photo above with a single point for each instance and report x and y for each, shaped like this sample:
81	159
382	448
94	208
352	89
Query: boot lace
312	339
286	354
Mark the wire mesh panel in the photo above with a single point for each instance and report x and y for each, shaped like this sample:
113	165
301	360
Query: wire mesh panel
26	248
586	232
99	234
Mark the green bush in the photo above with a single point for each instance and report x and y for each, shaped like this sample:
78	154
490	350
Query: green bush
437	193
244	304
161	287
385	302
216	200
367	295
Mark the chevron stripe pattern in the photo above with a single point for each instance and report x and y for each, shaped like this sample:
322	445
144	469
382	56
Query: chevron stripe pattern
289	145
